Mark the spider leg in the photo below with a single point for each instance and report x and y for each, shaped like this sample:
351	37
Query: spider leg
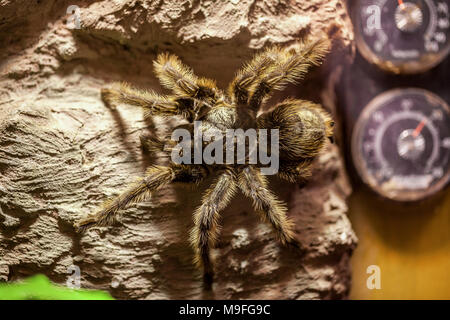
179	78
291	67
152	143
155	177
205	231
246	78
254	185
152	103
296	172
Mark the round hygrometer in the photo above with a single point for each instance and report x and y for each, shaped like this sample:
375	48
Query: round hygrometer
402	36
401	144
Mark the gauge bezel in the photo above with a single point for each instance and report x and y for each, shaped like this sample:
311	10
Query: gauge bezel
358	158
427	61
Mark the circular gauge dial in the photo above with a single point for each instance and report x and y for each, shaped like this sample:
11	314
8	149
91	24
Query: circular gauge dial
403	36
401	144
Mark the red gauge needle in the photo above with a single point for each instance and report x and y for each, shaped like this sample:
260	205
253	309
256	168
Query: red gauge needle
400	2
419	128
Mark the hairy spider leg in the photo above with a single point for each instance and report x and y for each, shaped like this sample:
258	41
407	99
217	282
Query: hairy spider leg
247	77
155	177
151	102
205	231
179	78
291	67
254	185
273	69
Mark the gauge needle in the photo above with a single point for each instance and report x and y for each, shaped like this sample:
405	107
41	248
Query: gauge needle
419	128
400	2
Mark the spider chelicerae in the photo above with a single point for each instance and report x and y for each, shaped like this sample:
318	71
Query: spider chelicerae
303	130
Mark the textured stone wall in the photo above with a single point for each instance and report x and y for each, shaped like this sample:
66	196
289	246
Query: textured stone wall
62	152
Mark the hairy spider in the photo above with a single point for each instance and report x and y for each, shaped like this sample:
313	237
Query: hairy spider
303	130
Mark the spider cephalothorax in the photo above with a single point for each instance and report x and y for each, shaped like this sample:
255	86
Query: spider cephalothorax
302	125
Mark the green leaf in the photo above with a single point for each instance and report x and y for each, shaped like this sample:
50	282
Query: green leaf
39	287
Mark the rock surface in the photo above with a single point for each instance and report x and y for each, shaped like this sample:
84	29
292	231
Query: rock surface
62	152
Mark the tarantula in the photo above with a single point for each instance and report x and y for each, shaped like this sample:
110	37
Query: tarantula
303	128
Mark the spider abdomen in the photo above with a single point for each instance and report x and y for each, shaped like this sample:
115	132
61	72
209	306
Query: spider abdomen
304	128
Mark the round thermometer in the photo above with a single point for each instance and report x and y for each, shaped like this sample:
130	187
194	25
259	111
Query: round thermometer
401	144
403	36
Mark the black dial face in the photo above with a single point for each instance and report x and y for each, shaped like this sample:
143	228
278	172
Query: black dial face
403	36
401	144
